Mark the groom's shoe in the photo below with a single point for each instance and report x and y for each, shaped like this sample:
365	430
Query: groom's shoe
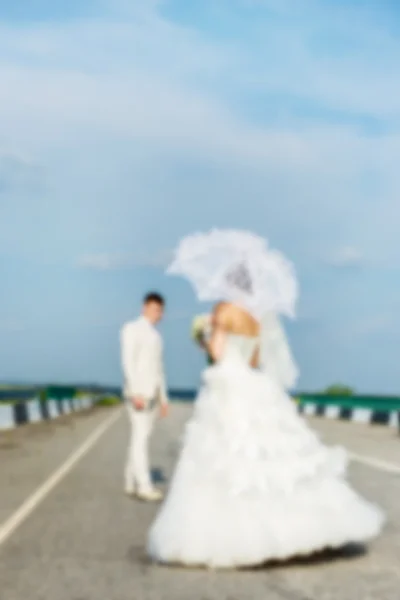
130	491
152	495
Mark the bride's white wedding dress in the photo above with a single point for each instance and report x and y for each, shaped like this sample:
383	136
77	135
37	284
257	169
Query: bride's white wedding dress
253	483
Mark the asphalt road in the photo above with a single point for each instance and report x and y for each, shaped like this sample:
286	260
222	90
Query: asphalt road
84	540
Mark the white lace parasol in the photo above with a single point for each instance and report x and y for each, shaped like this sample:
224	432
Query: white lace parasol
239	267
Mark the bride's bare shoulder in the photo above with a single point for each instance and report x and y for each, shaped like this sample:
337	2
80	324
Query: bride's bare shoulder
233	319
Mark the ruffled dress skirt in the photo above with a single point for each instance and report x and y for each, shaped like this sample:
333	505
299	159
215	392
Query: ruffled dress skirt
254	483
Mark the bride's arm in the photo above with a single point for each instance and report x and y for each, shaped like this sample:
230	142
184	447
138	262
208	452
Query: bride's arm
216	344
255	359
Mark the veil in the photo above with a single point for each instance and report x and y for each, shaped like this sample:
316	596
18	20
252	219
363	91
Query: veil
276	358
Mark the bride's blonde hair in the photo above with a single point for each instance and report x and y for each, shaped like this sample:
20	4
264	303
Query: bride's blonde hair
233	319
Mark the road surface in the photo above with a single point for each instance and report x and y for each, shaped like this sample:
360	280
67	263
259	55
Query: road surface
69	533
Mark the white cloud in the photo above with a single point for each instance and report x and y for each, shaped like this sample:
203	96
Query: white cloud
99	262
160	88
347	256
164	114
366	327
116	262
343	57
11	326
180	315
76	81
17	172
375	324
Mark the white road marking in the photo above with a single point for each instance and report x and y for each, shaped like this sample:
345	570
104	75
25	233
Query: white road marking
375	463
33	501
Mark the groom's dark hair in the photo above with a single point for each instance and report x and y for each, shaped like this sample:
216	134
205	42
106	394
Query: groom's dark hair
154	297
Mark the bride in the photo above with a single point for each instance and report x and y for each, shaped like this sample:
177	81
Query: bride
253	483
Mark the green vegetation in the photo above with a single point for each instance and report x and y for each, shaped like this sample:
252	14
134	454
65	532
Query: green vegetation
339	389
108	401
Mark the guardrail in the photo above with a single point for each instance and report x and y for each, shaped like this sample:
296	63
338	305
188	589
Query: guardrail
31	405
384	410
25	405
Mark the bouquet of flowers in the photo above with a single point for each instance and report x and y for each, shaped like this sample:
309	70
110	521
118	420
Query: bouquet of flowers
201	326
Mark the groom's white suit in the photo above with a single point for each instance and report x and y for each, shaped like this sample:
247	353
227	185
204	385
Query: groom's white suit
143	369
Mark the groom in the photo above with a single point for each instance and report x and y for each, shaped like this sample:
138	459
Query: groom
144	391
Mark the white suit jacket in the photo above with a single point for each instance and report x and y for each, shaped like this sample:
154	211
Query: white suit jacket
142	361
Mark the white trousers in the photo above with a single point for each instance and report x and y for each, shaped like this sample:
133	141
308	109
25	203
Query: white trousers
137	469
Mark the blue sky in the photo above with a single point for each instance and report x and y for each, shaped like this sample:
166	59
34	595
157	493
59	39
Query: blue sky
128	124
